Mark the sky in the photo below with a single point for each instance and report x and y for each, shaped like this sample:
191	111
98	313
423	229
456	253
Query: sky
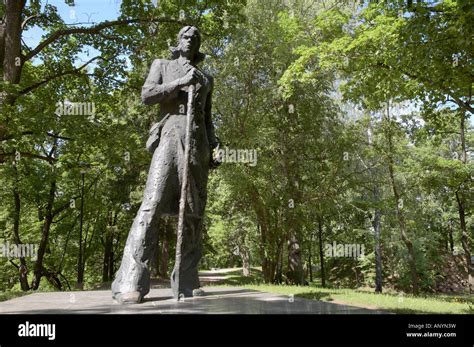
83	11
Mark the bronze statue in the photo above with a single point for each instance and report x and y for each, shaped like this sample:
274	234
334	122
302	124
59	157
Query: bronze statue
168	84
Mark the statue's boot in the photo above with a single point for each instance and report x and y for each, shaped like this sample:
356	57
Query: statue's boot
129	298
198	292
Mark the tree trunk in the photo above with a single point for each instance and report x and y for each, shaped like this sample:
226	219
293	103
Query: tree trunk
310	255
462	209
245	256
295	264
12	55
10	52
88	240
270	270
165	256
47	221
321	254
399	207
450	239
2	46
115	242
278	278
163	253
22	269
3	129
111	265
464	235
378	252
263	256
268	266
156	258
376	222
401	222
80	256
108	247
53	278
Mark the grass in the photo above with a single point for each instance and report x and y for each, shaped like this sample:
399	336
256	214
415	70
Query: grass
4	296
387	302
390	302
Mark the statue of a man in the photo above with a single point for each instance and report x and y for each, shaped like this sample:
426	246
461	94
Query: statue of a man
167	85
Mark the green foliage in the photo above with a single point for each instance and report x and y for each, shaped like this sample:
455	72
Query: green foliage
335	100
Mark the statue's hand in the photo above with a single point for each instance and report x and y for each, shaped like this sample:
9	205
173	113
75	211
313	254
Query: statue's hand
190	78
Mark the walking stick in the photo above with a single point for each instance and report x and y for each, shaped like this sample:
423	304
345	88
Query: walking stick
184	191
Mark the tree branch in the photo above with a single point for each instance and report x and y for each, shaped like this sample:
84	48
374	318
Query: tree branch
61	74
25	22
13	263
66	205
92	30
27	155
50	134
456	100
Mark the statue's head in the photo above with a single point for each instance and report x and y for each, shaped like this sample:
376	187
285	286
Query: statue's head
189	42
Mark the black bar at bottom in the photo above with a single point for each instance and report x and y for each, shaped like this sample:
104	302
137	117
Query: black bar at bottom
381	330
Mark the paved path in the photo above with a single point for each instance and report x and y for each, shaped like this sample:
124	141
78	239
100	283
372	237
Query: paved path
218	300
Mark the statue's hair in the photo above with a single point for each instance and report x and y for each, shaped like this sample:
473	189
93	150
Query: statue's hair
198	56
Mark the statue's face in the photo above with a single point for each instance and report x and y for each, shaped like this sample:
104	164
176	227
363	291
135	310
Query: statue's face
188	44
